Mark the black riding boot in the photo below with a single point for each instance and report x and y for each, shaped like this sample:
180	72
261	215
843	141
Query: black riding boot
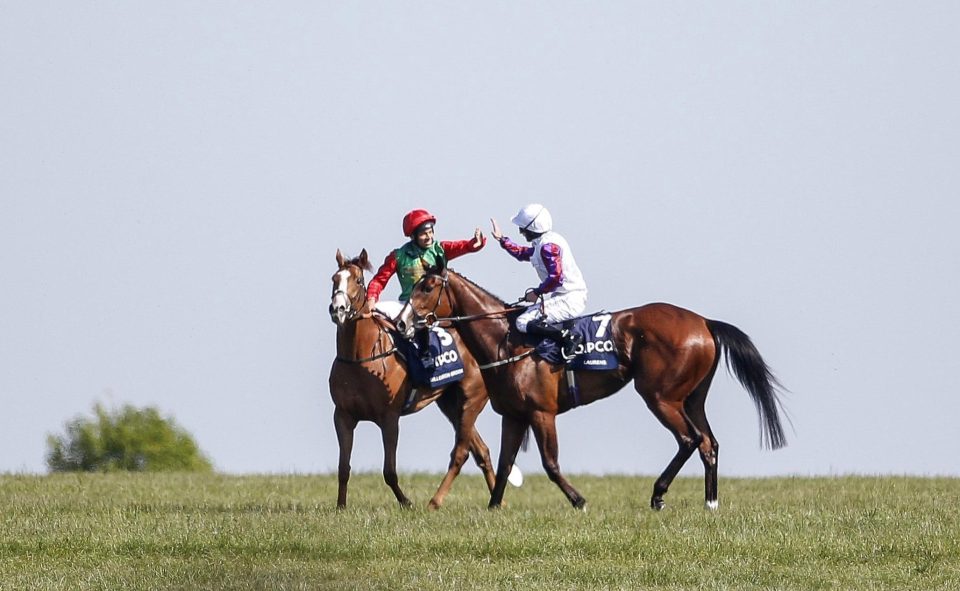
423	344
568	342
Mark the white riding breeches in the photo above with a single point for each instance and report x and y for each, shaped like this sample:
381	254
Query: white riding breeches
390	308
555	309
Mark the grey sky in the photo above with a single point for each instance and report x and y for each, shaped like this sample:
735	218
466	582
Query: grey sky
176	177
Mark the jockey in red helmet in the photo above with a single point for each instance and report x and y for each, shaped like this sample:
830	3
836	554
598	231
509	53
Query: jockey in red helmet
421	251
411	260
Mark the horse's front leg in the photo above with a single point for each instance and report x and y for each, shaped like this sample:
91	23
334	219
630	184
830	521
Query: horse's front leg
545	430
390	430
345	426
511	436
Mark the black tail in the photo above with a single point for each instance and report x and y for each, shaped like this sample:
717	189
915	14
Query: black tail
745	362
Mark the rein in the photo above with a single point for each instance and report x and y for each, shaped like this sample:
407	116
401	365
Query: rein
366	359
354	313
431	318
506	361
386	353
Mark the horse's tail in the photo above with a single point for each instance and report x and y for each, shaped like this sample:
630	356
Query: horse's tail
745	362
525	444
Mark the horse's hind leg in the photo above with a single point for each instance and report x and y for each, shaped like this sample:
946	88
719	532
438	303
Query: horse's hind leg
545	430
673	418
511	436
463	418
345	425
478	447
390	430
709	448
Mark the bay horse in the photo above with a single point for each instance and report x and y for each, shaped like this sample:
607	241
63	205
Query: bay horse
671	355
368	382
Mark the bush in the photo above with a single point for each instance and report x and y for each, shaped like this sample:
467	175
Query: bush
138	440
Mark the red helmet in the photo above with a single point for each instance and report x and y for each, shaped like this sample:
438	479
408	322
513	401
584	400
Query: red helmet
414	219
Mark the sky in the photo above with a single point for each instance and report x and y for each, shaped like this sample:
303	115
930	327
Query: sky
176	178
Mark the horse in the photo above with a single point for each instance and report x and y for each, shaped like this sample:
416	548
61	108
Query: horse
368	382
671	355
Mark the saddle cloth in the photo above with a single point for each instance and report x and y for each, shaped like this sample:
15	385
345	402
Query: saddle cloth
446	366
596	351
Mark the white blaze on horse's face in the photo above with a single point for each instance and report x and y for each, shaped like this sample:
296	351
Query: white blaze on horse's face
340	302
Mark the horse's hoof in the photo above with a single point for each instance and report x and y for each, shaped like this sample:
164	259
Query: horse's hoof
657	504
712	505
581	504
433	505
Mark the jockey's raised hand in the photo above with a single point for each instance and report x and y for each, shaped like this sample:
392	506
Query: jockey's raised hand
477	239
421	249
495	232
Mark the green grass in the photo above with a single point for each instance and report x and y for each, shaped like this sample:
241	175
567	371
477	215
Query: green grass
283	532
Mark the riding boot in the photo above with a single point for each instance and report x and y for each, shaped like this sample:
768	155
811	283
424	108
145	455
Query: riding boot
423	344
568	342
571	342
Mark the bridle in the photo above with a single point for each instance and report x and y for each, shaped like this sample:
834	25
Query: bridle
362	295
353	312
431	318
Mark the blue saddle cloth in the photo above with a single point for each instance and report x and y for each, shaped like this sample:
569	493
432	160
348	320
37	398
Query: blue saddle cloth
596	351
446	367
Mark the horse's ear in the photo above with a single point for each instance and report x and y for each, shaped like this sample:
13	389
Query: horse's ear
340	258
441	264
364	262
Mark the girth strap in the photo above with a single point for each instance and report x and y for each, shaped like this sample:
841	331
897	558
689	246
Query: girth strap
573	389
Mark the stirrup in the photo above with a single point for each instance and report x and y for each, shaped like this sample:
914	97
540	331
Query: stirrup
568	348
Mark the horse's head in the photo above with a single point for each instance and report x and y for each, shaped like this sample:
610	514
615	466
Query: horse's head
429	300
349	290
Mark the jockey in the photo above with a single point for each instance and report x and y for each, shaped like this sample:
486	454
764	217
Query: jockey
411	260
562	288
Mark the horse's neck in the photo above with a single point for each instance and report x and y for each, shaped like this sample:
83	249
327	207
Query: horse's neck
357	337
482	336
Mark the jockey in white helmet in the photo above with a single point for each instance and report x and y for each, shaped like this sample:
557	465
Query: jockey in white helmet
562	288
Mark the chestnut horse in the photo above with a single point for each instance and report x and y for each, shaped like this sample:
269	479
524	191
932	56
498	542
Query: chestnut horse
669	353
368	382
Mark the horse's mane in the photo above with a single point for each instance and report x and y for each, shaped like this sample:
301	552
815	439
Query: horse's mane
478	287
365	265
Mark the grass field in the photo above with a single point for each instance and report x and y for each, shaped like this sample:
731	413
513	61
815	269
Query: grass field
283	532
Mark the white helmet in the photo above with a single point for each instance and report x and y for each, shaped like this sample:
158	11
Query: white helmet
535	218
